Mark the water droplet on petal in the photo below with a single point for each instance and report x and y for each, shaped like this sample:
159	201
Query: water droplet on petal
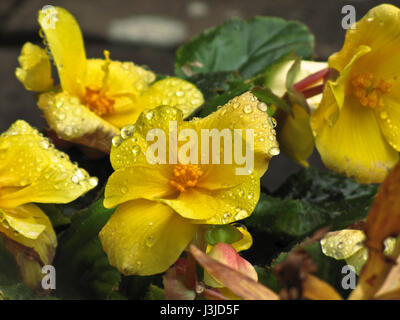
116	141
274	151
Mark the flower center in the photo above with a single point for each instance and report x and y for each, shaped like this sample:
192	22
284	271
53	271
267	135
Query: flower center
185	176
97	101
95	98
369	91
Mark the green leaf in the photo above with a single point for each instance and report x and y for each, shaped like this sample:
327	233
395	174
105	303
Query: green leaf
214	83
155	293
219	100
222	233
57	218
308	201
218	88
140	287
83	271
246	46
267	277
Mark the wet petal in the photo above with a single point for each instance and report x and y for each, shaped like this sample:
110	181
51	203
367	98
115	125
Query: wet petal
130	147
193	204
379	29
244	113
173	92
35	70
354	144
137	238
236	203
136	182
123	83
32	170
64	38
74	122
30	227
389	117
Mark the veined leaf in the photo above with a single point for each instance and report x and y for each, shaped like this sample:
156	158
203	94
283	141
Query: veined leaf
246	46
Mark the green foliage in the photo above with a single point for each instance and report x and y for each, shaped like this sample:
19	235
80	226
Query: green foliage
246	46
306	202
155	293
311	200
83	271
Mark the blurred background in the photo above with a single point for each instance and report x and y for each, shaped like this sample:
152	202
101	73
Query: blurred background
149	32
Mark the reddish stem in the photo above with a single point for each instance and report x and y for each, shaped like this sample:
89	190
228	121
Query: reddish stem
190	275
310	92
311	79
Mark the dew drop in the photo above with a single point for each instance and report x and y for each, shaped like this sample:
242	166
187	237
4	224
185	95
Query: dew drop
274	151
127	131
248	109
241	215
149	115
150	241
262	106
116	141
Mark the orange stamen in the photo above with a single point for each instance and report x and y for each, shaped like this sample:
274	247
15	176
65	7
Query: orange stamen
185	176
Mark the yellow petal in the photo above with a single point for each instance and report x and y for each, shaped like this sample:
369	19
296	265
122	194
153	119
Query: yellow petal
247	113
295	136
246	242
30	227
389	117
35	71
121	77
173	92
74	122
144	237
194	204
236	203
220	176
64	38
354	144
339	87
379	29
136	182
32	170
130	148
123	83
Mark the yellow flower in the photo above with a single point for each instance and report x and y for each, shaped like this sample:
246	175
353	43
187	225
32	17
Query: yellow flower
356	126
97	96
160	206
32	171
